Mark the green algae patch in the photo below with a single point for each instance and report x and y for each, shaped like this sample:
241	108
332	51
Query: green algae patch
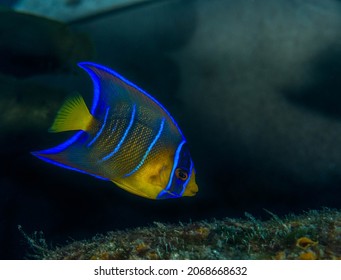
312	235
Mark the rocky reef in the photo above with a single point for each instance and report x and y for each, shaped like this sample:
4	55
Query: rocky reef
311	235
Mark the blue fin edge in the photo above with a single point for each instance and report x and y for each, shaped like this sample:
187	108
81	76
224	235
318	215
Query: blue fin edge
63	146
36	154
60	148
96	82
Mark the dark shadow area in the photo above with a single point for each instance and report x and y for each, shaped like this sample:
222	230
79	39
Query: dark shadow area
9	3
323	93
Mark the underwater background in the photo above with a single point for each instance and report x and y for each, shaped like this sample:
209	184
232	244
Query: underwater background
254	85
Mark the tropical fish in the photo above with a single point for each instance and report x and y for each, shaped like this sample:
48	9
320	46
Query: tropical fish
128	137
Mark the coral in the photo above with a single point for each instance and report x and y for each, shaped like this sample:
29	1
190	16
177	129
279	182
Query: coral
307	256
312	235
305	242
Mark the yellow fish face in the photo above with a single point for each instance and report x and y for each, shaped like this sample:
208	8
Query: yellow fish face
127	137
166	176
181	179
192	187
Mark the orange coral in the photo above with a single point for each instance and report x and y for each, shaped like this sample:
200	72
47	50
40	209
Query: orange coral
305	243
308	256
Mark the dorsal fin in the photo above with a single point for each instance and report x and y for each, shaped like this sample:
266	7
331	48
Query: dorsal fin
73	115
111	88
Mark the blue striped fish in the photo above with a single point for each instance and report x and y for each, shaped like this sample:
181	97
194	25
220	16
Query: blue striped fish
127	137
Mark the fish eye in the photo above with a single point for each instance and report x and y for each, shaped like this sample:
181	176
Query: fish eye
181	174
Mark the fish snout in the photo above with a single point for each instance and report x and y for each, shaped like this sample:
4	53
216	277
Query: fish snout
192	187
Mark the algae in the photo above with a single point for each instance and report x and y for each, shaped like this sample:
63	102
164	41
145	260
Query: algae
315	234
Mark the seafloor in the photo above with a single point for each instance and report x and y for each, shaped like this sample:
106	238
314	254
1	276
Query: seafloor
312	235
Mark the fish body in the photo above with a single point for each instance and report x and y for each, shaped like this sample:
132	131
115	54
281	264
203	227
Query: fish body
127	137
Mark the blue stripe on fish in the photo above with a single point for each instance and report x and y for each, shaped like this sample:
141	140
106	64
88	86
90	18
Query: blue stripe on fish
123	137
175	164
148	150
101	129
113	130
165	192
164	195
188	179
96	81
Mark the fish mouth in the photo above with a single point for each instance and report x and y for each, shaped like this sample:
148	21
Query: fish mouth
191	189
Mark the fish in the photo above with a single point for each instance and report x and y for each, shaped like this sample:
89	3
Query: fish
127	137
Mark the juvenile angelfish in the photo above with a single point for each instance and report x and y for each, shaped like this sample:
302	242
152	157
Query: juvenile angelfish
128	138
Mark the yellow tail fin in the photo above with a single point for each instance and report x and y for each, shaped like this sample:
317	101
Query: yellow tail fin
73	115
